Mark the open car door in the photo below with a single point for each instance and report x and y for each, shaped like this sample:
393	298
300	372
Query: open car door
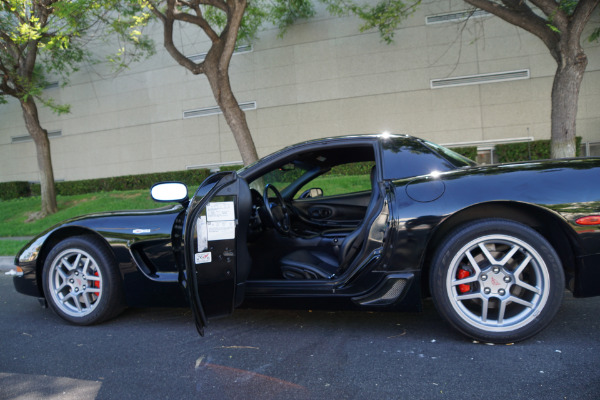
216	262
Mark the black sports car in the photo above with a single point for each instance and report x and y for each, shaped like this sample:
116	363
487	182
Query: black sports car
494	246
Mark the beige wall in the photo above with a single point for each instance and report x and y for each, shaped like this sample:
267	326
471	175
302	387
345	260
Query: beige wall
324	78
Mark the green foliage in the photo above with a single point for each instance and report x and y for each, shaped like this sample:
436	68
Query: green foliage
39	38
283	13
230	167
280	13
130	182
11	247
15	215
359	168
14	190
469	151
385	16
333	185
524	151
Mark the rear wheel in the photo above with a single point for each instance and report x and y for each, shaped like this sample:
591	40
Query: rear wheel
81	281
497	281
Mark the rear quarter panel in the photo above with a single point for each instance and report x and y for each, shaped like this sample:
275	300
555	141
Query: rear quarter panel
548	195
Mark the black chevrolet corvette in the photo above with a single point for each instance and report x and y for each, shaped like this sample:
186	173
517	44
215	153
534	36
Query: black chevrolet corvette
494	246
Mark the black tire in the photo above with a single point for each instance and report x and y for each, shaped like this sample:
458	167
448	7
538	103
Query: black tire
497	281
81	281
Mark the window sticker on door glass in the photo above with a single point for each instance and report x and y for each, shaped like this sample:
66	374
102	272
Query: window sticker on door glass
222	211
202	233
221	230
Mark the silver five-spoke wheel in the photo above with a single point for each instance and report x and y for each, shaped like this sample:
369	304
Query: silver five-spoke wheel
497	281
75	282
81	281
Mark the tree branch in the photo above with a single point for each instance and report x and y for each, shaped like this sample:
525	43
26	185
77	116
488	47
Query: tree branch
197	20
154	9
580	17
185	62
230	33
523	17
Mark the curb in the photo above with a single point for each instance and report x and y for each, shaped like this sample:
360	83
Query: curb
7	263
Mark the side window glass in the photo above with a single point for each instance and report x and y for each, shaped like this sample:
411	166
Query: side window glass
282	177
342	179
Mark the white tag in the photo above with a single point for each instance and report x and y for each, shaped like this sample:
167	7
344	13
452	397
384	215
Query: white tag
223	211
203	258
202	233
221	230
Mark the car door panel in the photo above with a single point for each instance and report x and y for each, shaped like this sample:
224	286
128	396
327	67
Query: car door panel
216	259
333	211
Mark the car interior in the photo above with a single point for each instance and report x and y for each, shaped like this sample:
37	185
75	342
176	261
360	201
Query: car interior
311	213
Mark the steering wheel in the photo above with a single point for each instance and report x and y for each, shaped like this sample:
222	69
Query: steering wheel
276	210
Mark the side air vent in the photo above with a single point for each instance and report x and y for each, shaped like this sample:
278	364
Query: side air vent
203	112
481	78
197	58
456	16
28	138
392	289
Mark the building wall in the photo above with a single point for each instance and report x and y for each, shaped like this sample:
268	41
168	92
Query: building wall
324	78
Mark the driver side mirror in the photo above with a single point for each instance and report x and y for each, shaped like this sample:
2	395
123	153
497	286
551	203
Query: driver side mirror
169	191
311	193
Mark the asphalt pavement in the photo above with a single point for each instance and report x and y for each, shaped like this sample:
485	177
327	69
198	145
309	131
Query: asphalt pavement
284	354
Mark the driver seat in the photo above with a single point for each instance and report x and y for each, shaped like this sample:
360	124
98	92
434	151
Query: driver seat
317	264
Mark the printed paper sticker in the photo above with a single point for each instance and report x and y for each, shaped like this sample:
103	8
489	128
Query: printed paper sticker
202	234
203	258
223	211
221	230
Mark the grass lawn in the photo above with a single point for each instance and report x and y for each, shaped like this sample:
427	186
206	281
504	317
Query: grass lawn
11	247
15	214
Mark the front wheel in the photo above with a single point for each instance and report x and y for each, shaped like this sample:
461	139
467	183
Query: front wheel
81	281
497	281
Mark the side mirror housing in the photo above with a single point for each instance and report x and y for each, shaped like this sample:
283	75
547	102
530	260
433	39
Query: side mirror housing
311	193
169	192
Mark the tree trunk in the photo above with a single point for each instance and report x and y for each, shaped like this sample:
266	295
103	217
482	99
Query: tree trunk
565	95
235	117
42	146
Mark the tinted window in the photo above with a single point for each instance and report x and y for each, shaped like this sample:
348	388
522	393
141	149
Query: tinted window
406	157
342	179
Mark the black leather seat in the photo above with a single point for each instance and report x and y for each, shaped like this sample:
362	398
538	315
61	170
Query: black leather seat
317	264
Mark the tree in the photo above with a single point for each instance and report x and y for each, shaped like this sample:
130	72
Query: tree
560	29
559	24
41	37
227	23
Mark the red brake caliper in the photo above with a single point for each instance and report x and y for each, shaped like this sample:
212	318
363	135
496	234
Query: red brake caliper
97	284
462	274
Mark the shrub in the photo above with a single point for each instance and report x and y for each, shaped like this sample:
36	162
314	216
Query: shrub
14	190
524	151
470	152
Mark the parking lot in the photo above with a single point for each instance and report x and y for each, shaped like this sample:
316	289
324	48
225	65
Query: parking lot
289	354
